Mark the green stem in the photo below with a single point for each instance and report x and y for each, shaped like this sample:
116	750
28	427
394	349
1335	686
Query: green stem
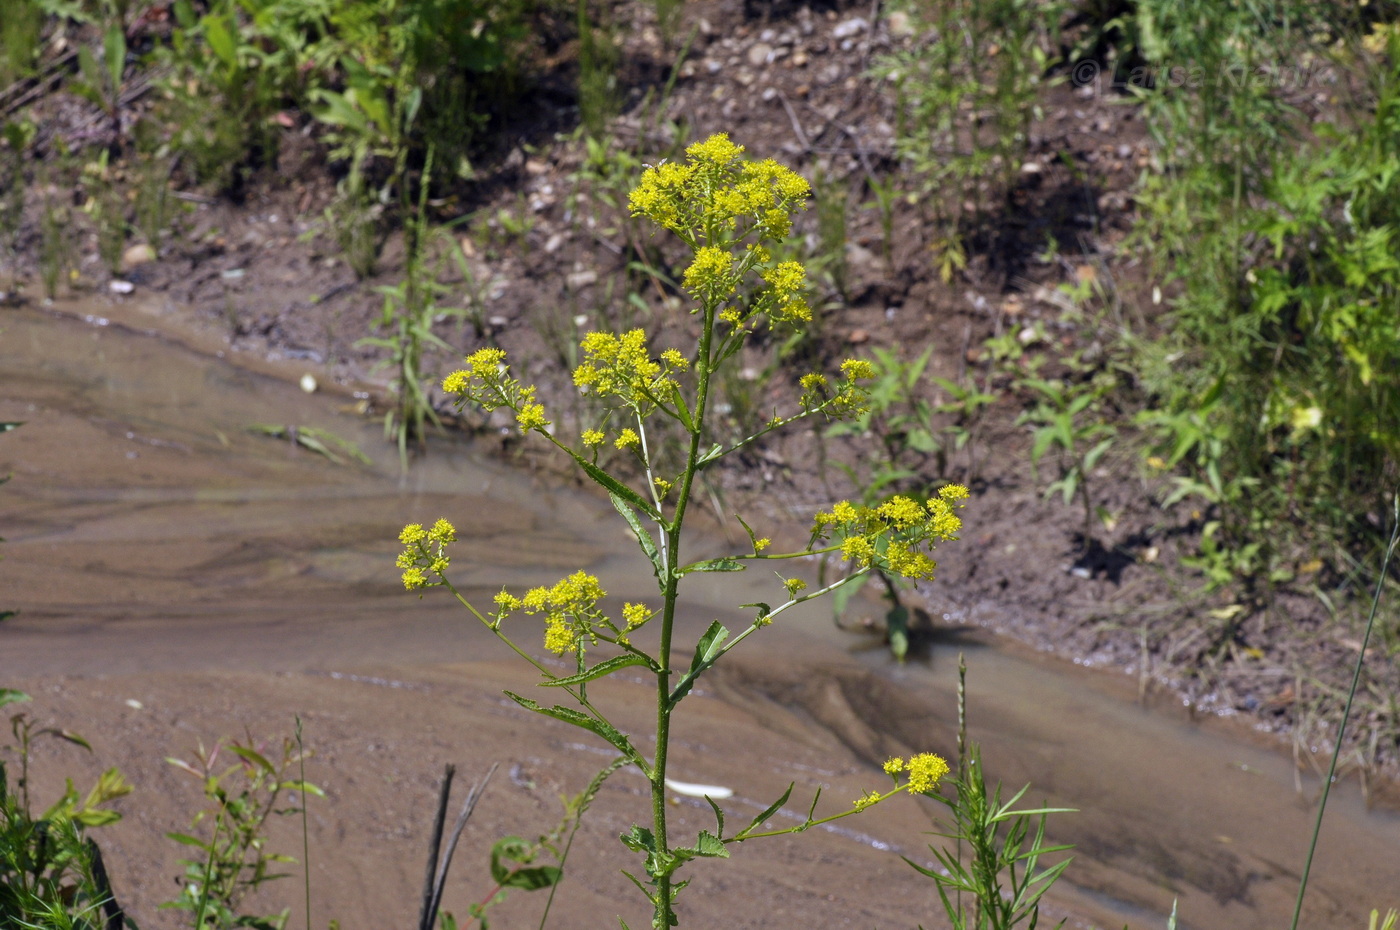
1346	712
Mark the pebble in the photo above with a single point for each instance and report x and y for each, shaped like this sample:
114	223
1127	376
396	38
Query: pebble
308	383
760	53
901	27
578	279
851	27
137	255
121	287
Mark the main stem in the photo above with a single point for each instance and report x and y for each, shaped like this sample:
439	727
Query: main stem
665	915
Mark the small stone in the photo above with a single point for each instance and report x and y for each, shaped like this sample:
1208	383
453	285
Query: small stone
553	243
578	279
138	255
858	337
308	383
851	27
744	77
760	53
535	166
799	59
121	287
497	322
901	27
1028	336
1031	167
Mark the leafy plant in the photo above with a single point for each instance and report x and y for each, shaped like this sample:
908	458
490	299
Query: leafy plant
725	209
1002	874
1065	418
51	871
232	858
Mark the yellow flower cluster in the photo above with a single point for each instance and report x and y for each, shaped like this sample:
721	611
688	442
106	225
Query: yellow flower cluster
925	770
570	609
620	366
849	397
867	799
890	536
486	381
425	553
711	275
782	300
710	193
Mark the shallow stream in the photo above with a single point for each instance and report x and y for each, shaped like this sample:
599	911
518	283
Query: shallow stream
150	532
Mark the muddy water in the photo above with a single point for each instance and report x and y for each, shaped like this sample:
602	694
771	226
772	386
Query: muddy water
151	534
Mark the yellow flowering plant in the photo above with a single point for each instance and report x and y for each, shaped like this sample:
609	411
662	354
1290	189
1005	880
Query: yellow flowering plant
727	209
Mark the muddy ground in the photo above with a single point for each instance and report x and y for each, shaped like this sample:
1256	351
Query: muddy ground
548	259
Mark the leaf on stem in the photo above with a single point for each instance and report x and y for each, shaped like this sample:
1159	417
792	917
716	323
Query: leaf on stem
706	652
583	721
643	537
606	667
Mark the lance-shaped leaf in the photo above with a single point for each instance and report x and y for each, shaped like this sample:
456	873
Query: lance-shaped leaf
613	486
583	721
606	667
643	537
768	811
706	652
725	564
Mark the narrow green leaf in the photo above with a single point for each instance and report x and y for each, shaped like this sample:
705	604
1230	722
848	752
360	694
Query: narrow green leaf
643	537
583	721
114	50
706	651
250	755
682	409
613	486
719	815
769	811
606	667
187	840
725	564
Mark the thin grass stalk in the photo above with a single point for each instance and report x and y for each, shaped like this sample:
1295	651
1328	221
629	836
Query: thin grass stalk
305	841
1346	711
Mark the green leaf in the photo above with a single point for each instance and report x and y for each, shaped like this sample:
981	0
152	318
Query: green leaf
583	721
682	409
769	811
706	652
187	840
719	815
711	846
533	879
250	755
725	564
221	41
11	696
643	537
96	818
606	667
613	486
639	839
512	848
114	50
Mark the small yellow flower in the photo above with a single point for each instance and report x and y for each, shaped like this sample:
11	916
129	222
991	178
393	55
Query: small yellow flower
867	799
593	437
413	533
442	532
795	586
627	439
414	578
857	369
531	417
894	765
926	770
635	615
760	544
663	487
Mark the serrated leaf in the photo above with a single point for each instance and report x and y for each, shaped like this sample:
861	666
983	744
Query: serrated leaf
583	721
639	839
710	846
606	667
643	537
613	486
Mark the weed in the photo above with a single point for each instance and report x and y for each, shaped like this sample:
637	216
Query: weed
232	859
51	871
1066	418
696	200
